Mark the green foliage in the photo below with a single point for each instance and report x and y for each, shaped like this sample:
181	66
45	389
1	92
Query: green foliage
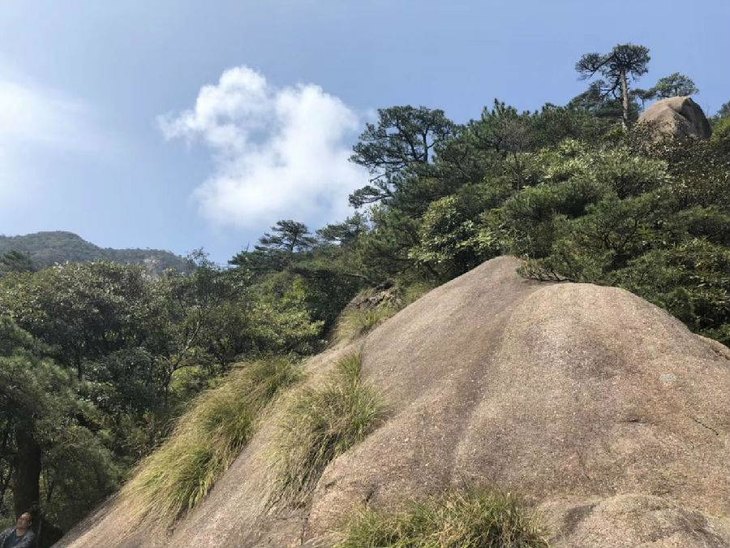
288	236
690	280
699	172
623	62
384	250
403	138
453	235
135	348
674	85
609	234
721	134
346	232
723	111
603	106
42	413
280	319
468	519
206	440
79	471
537	215
82	311
503	129
660	231
554	124
15	261
321	424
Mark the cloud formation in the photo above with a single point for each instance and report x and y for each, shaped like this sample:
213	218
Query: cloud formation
30	115
279	152
34	121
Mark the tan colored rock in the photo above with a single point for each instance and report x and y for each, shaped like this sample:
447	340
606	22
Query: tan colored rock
677	117
632	521
603	410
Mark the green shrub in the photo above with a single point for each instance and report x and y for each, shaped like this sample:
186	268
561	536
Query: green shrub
206	440
721	134
691	281
321	424
471	519
451	236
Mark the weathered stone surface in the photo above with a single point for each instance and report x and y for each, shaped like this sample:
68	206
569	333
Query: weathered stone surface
630	521
677	117
600	408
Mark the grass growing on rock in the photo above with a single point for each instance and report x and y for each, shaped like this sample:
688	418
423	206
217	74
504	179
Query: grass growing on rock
321	424
205	441
356	321
469	519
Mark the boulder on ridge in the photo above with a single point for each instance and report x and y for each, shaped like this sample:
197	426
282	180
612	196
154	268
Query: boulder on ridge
677	117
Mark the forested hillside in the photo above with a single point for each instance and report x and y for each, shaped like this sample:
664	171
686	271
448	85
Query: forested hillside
97	359
44	249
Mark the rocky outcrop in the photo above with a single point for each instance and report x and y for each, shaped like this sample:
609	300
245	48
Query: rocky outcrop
384	295
677	117
600	408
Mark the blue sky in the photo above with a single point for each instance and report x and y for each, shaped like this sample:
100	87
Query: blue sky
107	128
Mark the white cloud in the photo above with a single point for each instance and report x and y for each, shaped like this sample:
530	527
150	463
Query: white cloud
34	120
30	115
279	152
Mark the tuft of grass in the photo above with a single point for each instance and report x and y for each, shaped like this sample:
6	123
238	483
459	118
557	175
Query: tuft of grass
414	291
321	424
207	438
356	322
459	519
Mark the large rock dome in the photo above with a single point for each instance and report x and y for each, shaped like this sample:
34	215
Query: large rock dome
601	409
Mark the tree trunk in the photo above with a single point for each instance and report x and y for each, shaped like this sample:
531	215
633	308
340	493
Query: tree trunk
26	487
625	99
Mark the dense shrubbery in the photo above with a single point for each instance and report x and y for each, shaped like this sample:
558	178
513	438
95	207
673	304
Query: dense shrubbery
613	207
98	358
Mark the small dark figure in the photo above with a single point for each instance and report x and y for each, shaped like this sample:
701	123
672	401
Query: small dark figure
19	536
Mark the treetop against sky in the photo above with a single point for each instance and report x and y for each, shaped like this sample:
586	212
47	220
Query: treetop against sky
181	124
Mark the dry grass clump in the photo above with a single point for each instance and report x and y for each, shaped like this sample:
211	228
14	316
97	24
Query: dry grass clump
205	441
469	519
357	321
321	424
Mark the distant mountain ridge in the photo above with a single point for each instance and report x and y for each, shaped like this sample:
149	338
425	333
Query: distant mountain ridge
48	248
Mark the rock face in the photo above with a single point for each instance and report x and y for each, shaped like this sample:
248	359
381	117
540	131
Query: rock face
600	408
677	117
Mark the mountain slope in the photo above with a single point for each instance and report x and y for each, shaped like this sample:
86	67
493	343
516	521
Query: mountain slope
601	409
48	248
